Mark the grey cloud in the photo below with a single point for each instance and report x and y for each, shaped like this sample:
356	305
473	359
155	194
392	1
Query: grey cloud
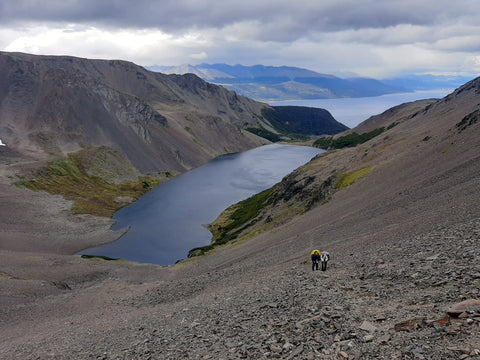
279	18
458	44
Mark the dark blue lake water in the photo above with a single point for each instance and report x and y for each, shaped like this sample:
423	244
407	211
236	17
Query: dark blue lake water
170	220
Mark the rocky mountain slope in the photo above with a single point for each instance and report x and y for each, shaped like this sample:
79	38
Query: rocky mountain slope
51	106
401	221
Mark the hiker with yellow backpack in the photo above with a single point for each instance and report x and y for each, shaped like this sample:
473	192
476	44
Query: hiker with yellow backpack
315	259
318	256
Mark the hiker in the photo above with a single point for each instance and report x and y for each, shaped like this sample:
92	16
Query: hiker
315	259
324	257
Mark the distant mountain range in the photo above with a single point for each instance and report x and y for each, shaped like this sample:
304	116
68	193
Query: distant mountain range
290	83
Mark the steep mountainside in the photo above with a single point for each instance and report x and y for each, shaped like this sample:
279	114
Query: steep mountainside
50	106
306	120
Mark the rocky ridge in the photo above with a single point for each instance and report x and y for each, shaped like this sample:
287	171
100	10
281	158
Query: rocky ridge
51	106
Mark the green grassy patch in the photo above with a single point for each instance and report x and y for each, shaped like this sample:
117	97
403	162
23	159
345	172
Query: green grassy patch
350	140
301	120
234	220
265	134
243	213
348	179
197	142
98	257
91	194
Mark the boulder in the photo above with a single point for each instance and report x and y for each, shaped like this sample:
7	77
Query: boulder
471	305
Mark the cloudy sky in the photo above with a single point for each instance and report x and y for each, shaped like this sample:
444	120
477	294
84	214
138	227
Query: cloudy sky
377	38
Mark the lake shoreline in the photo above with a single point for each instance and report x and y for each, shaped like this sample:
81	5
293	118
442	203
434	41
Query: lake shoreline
196	198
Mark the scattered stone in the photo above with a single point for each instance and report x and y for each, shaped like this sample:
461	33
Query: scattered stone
412	324
384	339
61	285
124	199
275	348
271	305
471	305
368	338
286	315
418	353
440	283
458	350
441	322
296	352
366	326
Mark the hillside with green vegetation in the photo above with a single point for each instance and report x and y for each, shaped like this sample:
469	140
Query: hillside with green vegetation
350	140
296	194
235	219
302	121
97	191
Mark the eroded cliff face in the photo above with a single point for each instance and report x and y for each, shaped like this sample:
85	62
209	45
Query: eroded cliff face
52	106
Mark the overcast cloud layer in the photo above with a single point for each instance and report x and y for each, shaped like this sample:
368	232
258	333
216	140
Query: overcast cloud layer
369	37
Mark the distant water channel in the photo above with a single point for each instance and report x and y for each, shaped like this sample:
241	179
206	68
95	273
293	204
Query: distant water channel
170	220
352	111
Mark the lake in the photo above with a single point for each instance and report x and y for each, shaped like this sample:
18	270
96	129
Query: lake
352	111
170	220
